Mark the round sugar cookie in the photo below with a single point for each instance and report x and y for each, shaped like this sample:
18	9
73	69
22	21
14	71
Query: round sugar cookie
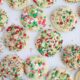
11	67
49	42
36	68
33	18
58	74
44	3
77	77
17	4
63	19
71	56
3	19
73	1
15	38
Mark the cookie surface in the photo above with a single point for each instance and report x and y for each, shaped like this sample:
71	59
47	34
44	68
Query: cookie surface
64	19
71	56
15	38
11	67
36	68
49	42
58	74
3	19
33	18
17	4
44	3
72	0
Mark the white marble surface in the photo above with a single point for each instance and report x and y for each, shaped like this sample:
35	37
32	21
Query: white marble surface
72	37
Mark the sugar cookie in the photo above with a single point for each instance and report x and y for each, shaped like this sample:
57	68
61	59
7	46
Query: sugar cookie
71	56
64	19
44	3
15	38
36	68
17	4
33	18
11	67
3	19
49	42
58	74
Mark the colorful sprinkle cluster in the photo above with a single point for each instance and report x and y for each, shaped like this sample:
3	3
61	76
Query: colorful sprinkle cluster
15	38
49	42
58	74
73	0
11	67
3	19
71	56
44	3
36	68
17	4
64	19
32	18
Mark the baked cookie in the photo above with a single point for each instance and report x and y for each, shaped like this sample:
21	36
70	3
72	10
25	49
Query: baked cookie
33	18
17	4
77	77
49	42
44	3
36	68
58	74
72	0
15	38
71	56
64	19
3	19
11	67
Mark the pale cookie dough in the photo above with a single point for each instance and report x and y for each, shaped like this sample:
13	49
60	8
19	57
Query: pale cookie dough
33	18
11	67
36	68
49	42
58	74
72	0
71	56
63	19
44	3
17	4
3	19
15	38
